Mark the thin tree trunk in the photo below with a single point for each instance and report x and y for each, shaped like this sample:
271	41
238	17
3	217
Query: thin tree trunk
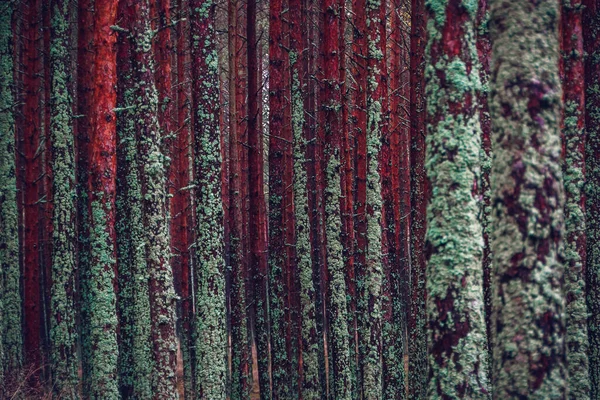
591	38
99	297
209	325
417	342
63	333
527	202
455	313
574	178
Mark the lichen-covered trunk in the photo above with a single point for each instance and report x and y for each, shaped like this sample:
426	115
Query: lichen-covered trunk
309	374
576	314
456	331
527	202
135	355
153	188
63	331
591	39
336	304
257	234
280	184
396	211
209	323
370	314
99	281
163	51
10	280
31	163
483	50
417	342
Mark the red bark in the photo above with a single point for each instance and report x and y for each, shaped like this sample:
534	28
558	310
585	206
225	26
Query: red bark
32	187
257	235
163	50
417	374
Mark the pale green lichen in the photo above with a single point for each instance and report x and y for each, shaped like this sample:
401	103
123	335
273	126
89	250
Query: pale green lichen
210	332
456	324
11	344
527	202
63	331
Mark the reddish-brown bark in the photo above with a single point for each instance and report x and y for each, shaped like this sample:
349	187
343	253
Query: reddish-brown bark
32	187
163	49
257	234
417	370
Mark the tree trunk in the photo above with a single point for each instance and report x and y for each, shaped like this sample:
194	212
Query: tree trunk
11	345
591	38
574	178
210	328
100	340
135	354
527	202
454	246
153	186
63	333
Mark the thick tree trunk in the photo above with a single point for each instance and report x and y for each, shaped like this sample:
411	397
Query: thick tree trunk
417	342
99	297
455	313
11	344
63	331
574	179
210	325
153	186
591	32
135	354
527	202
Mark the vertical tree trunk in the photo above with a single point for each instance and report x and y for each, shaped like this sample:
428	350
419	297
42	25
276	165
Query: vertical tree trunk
153	185
591	38
10	286
336	306
527	202
182	214
574	178
309	374
483	50
211	334
135	354
99	298
455	314
63	333
417	342
397	211
241	357
32	187
163	51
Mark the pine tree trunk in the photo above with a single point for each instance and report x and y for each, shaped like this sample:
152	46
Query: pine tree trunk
11	344
99	297
455	313
63	331
527	202
574	178
591	38
135	354
209	324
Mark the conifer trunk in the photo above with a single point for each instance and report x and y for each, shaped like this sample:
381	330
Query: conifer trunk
99	297
574	178
527	201
210	320
454	240
63	331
